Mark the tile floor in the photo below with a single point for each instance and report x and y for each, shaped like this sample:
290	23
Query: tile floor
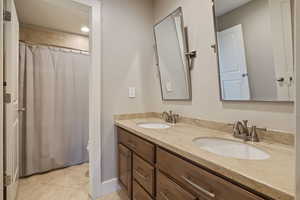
115	196
65	184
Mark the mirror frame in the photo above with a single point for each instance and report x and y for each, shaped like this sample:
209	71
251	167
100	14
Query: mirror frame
216	47
186	61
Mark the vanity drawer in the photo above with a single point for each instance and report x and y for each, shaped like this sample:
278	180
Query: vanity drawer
167	189
139	193
123	136
143	173
199	182
141	147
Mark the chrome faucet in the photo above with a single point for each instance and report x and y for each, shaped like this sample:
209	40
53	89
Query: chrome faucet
241	131
170	117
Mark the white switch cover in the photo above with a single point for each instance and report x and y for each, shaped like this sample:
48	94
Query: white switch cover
169	86
131	92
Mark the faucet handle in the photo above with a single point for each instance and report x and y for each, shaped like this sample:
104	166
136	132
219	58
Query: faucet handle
175	118
165	116
236	130
245	122
254	135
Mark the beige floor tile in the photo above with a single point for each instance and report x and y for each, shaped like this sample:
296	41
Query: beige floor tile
120	195
77	194
65	184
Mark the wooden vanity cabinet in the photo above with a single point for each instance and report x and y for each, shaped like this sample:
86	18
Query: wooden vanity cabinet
142	169
204	185
125	168
167	189
149	172
143	173
139	193
140	146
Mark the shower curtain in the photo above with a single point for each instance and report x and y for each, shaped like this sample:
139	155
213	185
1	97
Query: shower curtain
54	92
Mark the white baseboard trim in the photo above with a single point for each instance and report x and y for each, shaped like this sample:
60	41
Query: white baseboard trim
108	187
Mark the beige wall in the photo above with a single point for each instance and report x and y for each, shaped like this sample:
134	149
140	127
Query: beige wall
44	36
127	58
206	104
255	19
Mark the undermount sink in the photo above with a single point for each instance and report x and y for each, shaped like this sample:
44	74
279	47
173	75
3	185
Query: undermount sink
154	125
230	148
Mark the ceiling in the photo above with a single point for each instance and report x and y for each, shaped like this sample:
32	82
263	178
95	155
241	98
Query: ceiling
225	6
62	15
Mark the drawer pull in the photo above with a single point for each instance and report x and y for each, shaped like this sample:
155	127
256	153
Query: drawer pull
140	174
131	144
212	195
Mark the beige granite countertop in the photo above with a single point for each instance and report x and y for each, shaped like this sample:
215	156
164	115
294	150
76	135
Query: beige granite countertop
273	177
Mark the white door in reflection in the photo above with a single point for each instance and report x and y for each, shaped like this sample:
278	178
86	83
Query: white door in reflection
282	37
233	65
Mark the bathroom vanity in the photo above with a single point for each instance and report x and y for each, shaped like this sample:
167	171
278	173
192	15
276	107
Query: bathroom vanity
160	164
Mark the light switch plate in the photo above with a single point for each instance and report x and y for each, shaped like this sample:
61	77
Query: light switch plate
131	92
169	86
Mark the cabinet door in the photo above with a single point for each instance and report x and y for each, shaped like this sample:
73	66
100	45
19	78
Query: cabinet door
125	168
139	193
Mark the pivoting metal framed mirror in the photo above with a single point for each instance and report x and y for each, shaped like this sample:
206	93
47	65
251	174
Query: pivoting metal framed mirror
255	49
174	60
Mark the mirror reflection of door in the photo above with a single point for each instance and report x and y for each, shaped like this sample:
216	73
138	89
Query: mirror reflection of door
255	43
281	27
233	65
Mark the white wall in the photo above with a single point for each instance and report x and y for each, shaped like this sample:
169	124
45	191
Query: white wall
127	58
206	104
297	36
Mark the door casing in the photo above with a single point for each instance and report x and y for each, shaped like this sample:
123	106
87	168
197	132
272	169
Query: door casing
96	184
11	100
95	99
1	103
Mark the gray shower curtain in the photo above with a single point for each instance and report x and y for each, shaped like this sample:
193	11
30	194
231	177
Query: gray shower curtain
54	92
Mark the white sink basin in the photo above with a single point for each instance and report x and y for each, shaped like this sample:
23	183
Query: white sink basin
154	125
230	148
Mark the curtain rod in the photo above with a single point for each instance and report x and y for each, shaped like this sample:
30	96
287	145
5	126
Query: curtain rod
51	45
